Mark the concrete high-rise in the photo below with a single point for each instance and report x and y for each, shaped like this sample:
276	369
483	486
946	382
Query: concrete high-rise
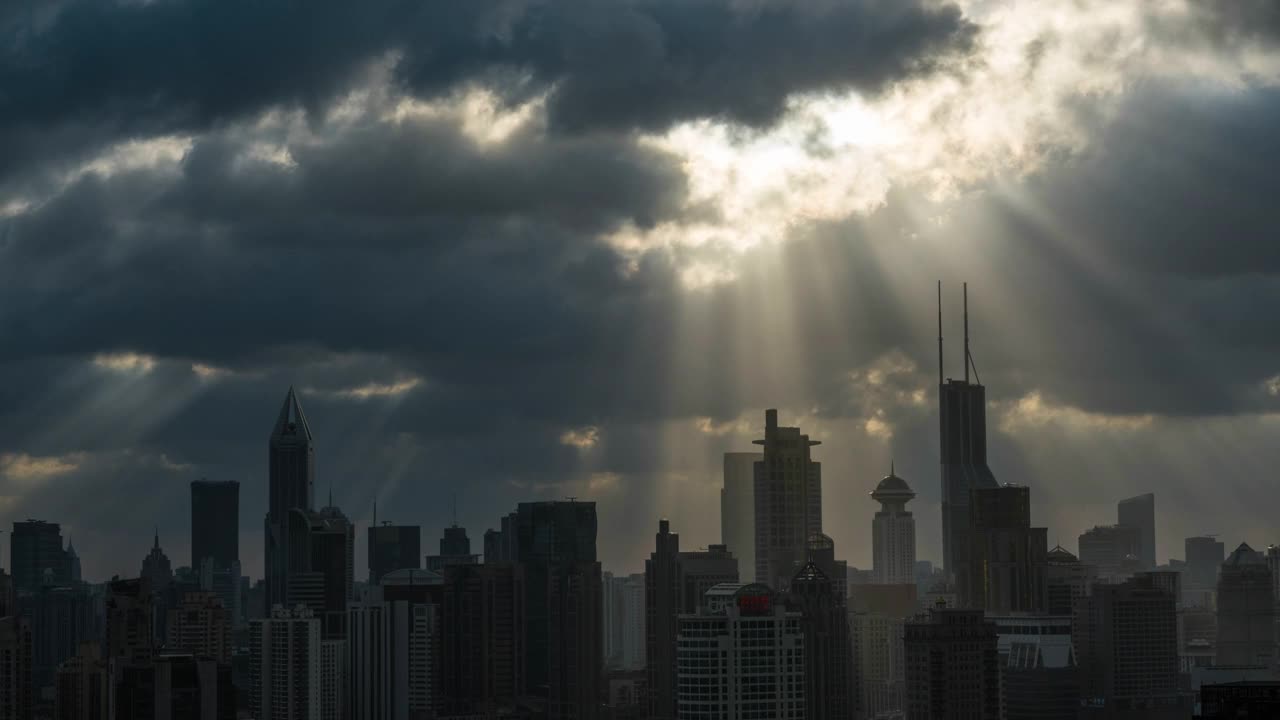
1039	675
1204	557
481	642
36	555
1006	572
322	565
830	691
393	547
62	617
1246	610
15	668
284	668
291	465
893	533
741	655
393	649
130	620
82	691
1067	581
200	625
952	666
1112	549
455	549
1127	645
675	582
215	523
963	431
738	509
1140	512
788	502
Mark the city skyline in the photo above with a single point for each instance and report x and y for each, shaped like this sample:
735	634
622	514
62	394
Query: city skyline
560	288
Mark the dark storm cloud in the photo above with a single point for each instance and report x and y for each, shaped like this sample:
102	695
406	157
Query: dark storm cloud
1225	23
98	71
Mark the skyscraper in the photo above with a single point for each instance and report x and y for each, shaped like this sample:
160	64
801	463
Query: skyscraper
1246	610
830	691
62	617
393	547
291	464
1039	675
952	666
130	617
1140	512
741	655
893	533
1067	581
36	555
1204	557
200	625
156	568
322	565
15	668
215	523
284	668
675	582
963	430
393	649
480	638
738	509
788	502
1112	549
1007	555
82	691
455	549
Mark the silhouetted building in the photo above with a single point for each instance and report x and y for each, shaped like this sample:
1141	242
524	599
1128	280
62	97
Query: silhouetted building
130	620
227	584
1127	644
788	502
1037	666
1140	512
675	583
455	549
1006	555
61	618
215	523
394	648
561	604
172	687
1204	557
828	662
392	547
201	626
738	509
1107	547
285	674
1246	610
500	545
481	640
821	551
15	669
322	565
879	668
893	532
963	432
1067	580
82	686
291	463
741	655
1236	700
156	568
952	666
624	617
36	556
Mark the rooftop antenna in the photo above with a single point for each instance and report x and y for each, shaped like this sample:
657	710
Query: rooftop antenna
572	498
966	333
939	333
375	512
455	509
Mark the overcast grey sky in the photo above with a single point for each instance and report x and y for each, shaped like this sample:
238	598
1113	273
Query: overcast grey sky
527	249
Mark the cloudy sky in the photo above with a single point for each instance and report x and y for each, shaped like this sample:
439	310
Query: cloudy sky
528	249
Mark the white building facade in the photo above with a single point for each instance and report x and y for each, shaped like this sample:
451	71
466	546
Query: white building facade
893	533
285	665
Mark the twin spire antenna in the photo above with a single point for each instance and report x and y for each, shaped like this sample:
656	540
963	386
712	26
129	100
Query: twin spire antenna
968	356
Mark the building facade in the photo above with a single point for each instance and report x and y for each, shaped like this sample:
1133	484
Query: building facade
952	666
285	665
788	502
1246	610
215	523
1140	512
830	688
1039	675
291	466
15	668
201	626
1007	556
1112	549
738	509
393	547
893	533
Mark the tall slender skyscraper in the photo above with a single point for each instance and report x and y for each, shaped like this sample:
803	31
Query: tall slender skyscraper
393	547
963	429
36	555
738	509
893	533
1140	512
291	466
788	502
1008	556
215	523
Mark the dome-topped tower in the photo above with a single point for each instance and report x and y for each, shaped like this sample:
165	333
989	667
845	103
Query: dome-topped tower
893	532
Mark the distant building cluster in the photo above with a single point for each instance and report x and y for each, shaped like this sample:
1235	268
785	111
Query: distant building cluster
767	624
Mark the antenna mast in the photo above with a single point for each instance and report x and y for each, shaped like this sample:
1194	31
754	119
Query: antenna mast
966	333
939	333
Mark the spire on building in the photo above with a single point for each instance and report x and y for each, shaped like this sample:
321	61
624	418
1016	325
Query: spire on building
292	421
156	544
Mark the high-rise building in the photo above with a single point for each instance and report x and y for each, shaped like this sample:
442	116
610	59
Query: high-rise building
15	668
291	463
1067	580
393	547
963	431
1246	610
215	523
893	533
1038	669
455	549
828	649
393	648
952	666
1273	564
624	638
172	687
156	568
1112	549
738	508
322	565
201	626
1204	557
130	620
675	583
227	584
788	502
82	689
61	617
561	605
879	668
1127	645
1006	555
500	545
1140	512
741	655
284	669
481	639
36	556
